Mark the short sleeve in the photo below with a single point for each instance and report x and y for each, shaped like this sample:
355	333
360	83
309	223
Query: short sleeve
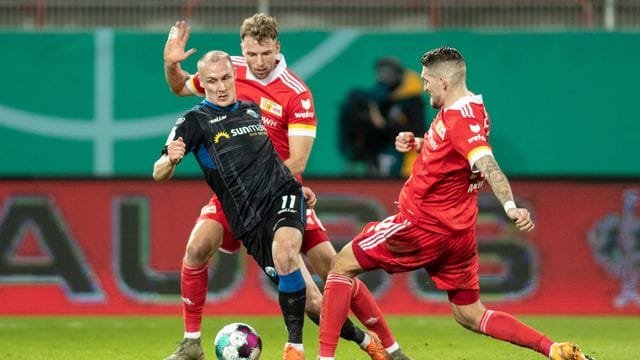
302	119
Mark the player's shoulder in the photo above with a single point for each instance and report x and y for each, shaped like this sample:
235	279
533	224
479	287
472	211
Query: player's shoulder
292	82
243	104
467	108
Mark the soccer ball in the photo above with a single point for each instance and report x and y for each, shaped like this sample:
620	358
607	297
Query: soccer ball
238	341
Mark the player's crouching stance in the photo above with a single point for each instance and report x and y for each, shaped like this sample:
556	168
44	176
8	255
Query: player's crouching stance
434	228
263	202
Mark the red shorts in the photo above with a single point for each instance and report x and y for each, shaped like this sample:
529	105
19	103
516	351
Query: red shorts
314	233
396	245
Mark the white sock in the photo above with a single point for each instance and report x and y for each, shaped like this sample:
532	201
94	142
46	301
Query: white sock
393	347
366	341
298	347
192	335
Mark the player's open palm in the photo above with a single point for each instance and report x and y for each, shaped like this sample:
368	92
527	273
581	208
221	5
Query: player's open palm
176	43
522	218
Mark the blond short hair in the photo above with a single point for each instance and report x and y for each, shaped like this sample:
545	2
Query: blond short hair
260	27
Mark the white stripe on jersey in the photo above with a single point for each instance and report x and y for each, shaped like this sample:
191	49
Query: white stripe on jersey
381	236
302	132
239	60
466	111
339	279
292	82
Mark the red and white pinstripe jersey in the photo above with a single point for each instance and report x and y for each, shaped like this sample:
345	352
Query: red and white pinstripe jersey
285	101
442	193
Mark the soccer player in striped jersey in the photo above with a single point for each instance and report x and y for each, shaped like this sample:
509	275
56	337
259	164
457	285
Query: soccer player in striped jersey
289	117
434	228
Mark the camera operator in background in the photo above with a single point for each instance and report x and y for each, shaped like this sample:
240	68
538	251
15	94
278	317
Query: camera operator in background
369	118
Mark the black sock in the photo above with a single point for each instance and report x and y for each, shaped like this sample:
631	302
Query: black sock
292	305
348	331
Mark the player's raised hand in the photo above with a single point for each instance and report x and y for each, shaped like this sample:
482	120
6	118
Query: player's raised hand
405	141
310	197
176	43
522	218
176	150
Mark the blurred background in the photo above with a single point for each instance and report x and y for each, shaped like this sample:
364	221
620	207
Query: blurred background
85	111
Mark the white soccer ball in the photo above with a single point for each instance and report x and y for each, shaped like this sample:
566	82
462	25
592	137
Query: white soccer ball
238	341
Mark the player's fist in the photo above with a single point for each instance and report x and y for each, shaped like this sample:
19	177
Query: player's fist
310	197
522	218
176	150
405	141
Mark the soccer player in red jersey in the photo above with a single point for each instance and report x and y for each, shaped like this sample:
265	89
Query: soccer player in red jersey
434	228
288	114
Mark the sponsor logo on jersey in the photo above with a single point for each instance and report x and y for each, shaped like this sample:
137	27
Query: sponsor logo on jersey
269	122
304	115
252	113
209	209
440	129
257	129
474	127
217	118
306	104
431	140
476	137
219	135
270	106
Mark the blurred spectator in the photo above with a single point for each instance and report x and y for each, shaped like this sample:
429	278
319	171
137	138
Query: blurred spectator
371	118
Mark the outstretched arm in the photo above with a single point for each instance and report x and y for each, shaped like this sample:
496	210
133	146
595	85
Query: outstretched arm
501	188
174	53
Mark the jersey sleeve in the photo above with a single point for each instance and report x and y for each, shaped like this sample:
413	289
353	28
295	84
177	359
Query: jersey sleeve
469	138
194	85
302	115
187	128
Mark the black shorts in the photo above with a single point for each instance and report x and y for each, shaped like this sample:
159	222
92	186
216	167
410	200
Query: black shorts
288	209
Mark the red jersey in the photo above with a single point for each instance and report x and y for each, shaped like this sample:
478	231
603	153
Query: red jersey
285	101
441	195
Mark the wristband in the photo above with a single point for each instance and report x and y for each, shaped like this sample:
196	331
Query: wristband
509	205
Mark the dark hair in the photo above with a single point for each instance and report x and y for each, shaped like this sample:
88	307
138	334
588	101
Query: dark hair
260	27
441	54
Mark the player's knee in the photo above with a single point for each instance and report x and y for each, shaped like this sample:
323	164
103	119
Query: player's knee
285	259
200	249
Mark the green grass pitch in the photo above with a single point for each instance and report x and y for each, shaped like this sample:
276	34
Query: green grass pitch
422	337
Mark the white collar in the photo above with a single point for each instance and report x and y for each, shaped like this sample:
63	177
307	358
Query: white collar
281	67
471	98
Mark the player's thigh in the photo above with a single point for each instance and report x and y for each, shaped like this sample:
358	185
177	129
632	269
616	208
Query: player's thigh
320	257
205	239
345	262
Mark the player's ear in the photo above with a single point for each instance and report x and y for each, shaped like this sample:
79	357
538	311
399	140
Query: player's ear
277	47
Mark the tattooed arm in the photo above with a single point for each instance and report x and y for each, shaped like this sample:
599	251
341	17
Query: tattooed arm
501	188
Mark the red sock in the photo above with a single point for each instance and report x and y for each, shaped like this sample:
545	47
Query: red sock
193	284
335	308
367	311
503	326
